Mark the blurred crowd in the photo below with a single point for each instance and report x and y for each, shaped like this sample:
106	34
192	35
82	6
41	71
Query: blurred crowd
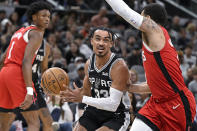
68	36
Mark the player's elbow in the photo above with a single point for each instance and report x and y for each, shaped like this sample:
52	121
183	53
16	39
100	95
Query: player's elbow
114	105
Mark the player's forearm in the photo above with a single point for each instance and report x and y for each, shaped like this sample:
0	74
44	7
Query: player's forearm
139	88
122	9
2	61
110	103
27	72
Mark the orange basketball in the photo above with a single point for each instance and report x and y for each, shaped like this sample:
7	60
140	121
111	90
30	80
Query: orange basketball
53	79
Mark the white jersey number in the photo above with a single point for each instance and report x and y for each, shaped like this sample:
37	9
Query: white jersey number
34	68
10	51
98	93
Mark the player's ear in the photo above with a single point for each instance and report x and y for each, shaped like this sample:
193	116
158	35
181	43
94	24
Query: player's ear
91	41
112	44
148	16
34	17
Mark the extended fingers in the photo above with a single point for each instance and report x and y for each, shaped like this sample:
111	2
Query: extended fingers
25	105
75	86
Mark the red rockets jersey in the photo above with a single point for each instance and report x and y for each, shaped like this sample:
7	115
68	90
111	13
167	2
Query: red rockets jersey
162	69
16	49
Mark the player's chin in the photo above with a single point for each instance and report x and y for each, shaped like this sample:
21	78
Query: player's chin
46	25
101	54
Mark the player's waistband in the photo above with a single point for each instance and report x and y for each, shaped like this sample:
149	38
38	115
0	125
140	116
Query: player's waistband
12	64
168	98
164	99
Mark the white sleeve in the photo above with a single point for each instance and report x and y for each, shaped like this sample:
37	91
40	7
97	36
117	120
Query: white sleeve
110	103
122	9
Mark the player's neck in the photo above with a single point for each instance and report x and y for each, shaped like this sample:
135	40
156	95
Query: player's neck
38	27
101	61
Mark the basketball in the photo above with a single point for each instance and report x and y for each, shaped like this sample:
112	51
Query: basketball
53	79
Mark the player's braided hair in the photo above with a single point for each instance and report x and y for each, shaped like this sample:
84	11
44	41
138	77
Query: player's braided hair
36	7
112	35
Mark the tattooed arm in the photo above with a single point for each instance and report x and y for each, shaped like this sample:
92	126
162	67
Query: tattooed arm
152	32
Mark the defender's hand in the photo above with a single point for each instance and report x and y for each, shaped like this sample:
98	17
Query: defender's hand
71	95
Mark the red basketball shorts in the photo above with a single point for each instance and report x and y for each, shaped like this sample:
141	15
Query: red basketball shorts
12	87
170	115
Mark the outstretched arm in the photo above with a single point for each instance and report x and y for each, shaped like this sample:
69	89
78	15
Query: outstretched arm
140	88
135	19
111	102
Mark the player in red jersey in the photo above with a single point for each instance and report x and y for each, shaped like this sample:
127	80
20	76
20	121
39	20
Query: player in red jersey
16	88
172	105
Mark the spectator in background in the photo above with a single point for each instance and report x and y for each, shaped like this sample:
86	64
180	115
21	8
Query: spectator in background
85	30
81	74
182	40
51	39
176	23
191	30
73	69
73	53
188	57
79	82
119	46
131	42
2	15
134	58
100	19
14	18
83	48
61	114
184	66
189	76
7	30
193	84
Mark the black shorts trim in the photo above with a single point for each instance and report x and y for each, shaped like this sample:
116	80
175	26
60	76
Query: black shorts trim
148	122
33	107
186	105
40	101
93	119
5	110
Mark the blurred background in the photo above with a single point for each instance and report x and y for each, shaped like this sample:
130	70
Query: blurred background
68	32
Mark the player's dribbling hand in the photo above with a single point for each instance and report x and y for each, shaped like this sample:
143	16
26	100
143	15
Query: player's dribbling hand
27	102
70	95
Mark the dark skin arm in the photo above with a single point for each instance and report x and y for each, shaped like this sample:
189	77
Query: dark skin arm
119	83
35	40
86	90
139	88
3	59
